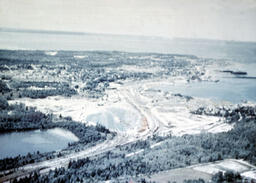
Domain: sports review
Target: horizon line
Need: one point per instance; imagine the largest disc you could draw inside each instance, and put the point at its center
(63, 32)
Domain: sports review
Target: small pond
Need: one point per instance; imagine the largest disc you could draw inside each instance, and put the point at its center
(15, 143)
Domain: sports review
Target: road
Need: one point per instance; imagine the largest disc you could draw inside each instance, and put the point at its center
(204, 171)
(119, 139)
(149, 125)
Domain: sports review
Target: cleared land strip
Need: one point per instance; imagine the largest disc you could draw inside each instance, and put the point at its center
(205, 171)
(47, 165)
(149, 124)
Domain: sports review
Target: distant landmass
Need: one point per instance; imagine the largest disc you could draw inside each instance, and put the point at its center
(39, 31)
(4, 29)
(199, 40)
(29, 39)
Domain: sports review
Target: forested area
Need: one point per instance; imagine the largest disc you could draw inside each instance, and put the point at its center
(173, 152)
(18, 117)
(36, 75)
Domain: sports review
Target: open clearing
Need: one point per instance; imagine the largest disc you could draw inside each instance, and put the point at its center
(144, 98)
(205, 171)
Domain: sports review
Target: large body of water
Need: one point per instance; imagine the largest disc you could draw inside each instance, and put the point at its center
(232, 90)
(239, 51)
(15, 143)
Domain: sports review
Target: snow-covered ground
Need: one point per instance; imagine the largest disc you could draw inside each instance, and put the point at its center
(51, 53)
(136, 109)
(250, 174)
(206, 170)
(234, 165)
(144, 95)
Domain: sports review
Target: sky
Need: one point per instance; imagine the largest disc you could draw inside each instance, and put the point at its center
(210, 19)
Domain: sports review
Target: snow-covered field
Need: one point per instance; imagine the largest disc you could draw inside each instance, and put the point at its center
(137, 107)
(136, 95)
(206, 170)
(244, 168)
(129, 107)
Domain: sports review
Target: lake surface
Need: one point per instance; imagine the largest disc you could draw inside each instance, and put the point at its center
(15, 143)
